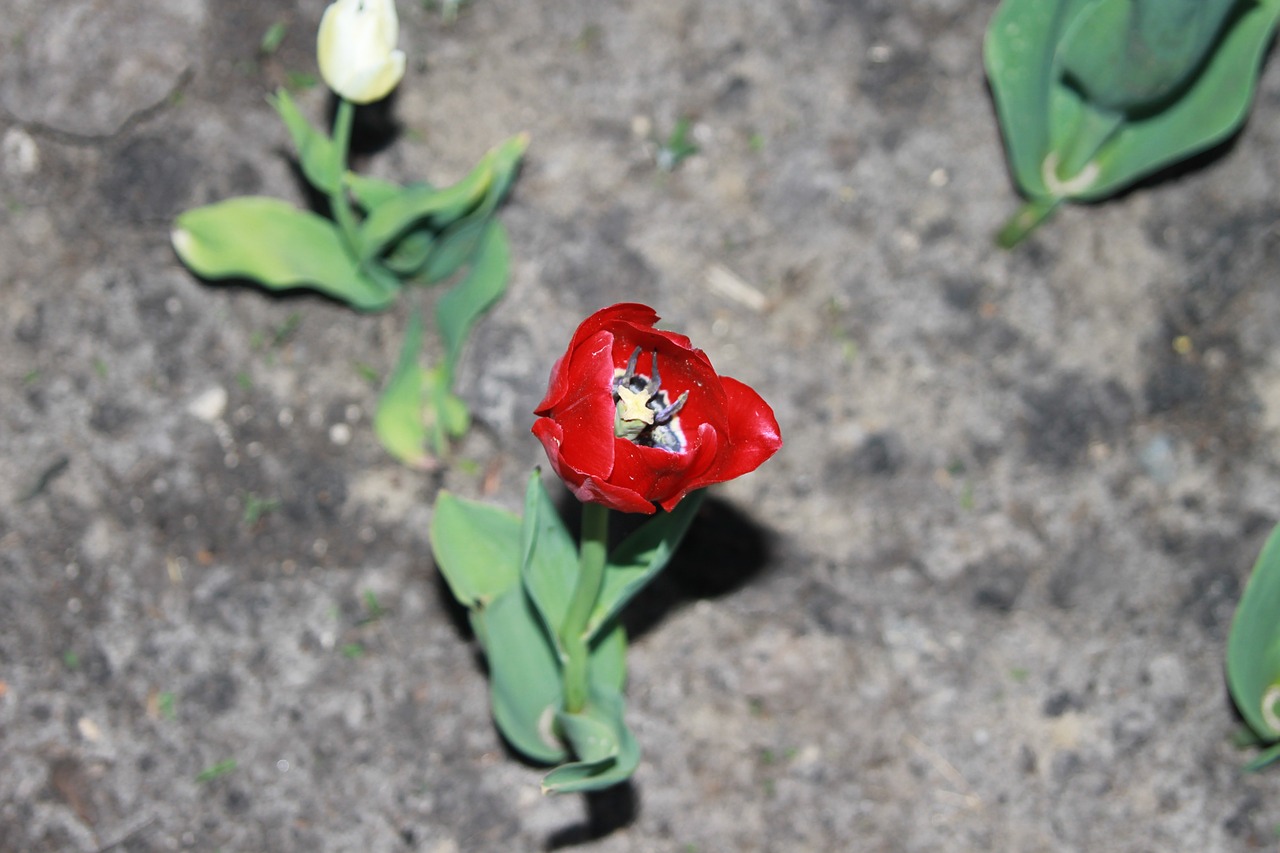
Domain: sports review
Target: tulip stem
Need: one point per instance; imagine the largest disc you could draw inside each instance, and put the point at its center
(592, 551)
(338, 201)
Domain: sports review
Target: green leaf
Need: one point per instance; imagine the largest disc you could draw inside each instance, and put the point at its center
(389, 221)
(272, 38)
(1253, 646)
(477, 548)
(446, 415)
(548, 558)
(607, 752)
(524, 675)
(410, 255)
(456, 246)
(275, 244)
(398, 421)
(1206, 113)
(466, 301)
(1267, 757)
(1018, 52)
(316, 152)
(1026, 220)
(477, 195)
(1065, 141)
(1133, 54)
(459, 240)
(369, 192)
(506, 161)
(639, 558)
(607, 661)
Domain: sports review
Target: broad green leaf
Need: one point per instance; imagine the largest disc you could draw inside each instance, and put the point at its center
(455, 246)
(446, 415)
(388, 221)
(1019, 55)
(484, 188)
(275, 244)
(506, 161)
(639, 558)
(467, 300)
(1210, 110)
(548, 558)
(1133, 54)
(606, 750)
(459, 240)
(477, 548)
(1253, 646)
(1034, 78)
(411, 254)
(398, 421)
(607, 661)
(524, 675)
(369, 192)
(316, 152)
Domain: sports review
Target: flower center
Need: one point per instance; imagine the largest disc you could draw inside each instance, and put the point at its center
(643, 413)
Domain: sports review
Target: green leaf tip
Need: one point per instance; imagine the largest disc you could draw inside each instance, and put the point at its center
(1253, 652)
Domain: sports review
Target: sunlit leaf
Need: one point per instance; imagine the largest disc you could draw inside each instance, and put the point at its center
(606, 750)
(391, 219)
(467, 300)
(1253, 648)
(316, 153)
(639, 558)
(273, 243)
(398, 420)
(524, 675)
(476, 547)
(549, 559)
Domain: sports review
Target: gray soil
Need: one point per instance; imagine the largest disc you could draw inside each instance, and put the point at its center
(978, 602)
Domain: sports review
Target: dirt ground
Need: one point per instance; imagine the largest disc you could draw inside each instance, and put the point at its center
(978, 602)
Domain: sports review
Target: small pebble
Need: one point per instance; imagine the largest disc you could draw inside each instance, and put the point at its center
(209, 405)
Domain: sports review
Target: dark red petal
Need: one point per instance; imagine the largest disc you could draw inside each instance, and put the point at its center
(585, 413)
(661, 475)
(614, 497)
(557, 386)
(753, 436)
(624, 313)
(552, 438)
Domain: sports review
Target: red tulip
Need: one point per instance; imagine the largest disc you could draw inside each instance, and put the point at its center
(635, 416)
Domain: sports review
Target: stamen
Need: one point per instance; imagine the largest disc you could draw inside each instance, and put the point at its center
(655, 381)
(665, 414)
(631, 367)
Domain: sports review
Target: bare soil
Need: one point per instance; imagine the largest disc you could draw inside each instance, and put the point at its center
(978, 602)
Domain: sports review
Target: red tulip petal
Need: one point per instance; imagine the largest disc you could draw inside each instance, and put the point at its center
(612, 496)
(586, 413)
(625, 312)
(664, 476)
(754, 434)
(728, 427)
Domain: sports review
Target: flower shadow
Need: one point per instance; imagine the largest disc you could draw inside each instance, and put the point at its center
(724, 550)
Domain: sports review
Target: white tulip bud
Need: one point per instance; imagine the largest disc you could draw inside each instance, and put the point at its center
(356, 49)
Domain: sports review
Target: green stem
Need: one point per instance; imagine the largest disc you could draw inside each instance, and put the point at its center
(1094, 130)
(339, 204)
(573, 634)
(1026, 220)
